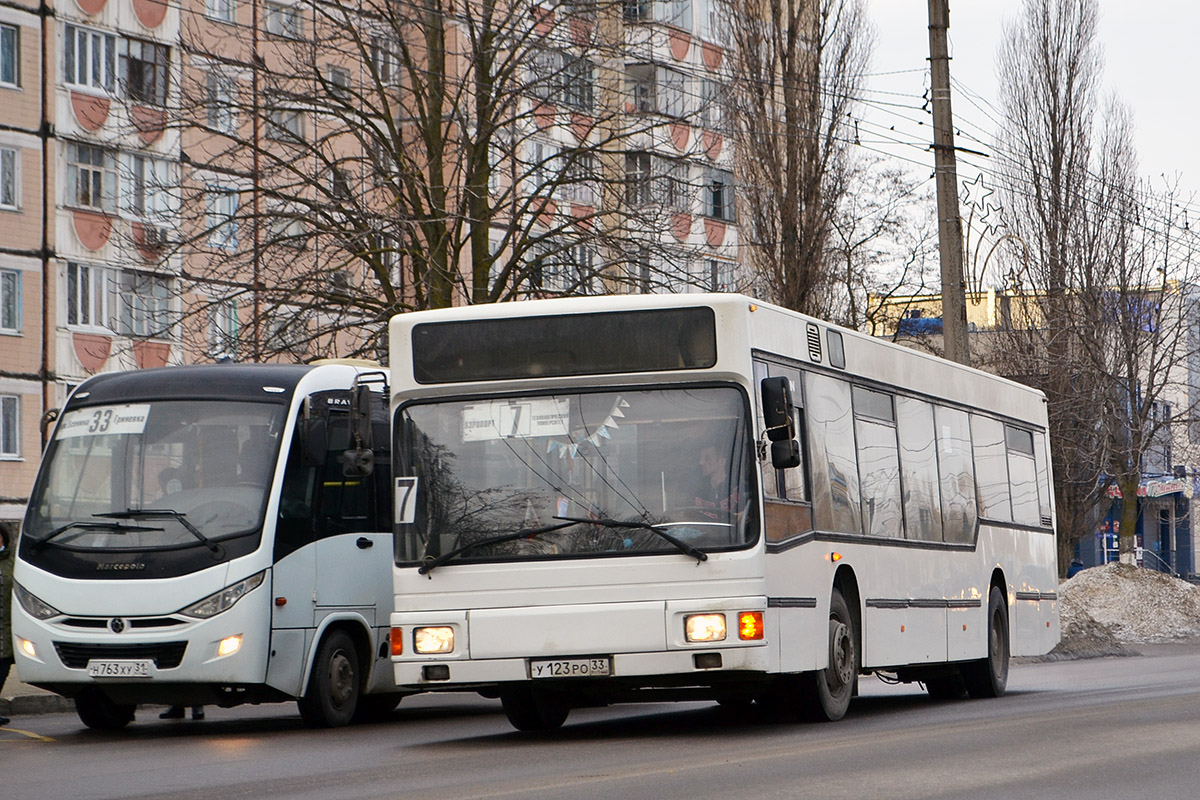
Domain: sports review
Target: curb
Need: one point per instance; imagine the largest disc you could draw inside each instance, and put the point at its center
(34, 704)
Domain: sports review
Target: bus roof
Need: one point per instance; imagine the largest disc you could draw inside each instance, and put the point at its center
(194, 382)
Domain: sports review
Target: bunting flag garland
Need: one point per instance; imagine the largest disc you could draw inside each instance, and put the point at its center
(563, 449)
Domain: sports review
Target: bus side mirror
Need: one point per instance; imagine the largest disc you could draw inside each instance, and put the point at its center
(359, 462)
(777, 409)
(785, 454)
(779, 422)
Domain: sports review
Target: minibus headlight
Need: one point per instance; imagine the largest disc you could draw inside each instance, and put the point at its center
(437, 639)
(223, 600)
(705, 627)
(33, 606)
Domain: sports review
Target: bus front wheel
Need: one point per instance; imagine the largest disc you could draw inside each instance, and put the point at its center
(98, 711)
(531, 710)
(334, 686)
(988, 677)
(828, 691)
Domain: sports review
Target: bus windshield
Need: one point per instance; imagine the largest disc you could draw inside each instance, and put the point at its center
(598, 468)
(112, 472)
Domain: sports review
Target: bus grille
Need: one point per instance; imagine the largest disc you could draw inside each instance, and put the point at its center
(165, 655)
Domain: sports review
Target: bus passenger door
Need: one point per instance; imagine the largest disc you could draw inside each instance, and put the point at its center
(354, 542)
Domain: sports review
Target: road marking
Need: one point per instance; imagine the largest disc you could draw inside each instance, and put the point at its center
(30, 734)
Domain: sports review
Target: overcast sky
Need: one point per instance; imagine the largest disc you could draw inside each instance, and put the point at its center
(1150, 49)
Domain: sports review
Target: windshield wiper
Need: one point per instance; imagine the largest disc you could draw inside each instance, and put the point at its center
(681, 545)
(167, 513)
(524, 533)
(84, 525)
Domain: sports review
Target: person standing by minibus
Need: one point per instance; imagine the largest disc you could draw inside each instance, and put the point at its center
(6, 571)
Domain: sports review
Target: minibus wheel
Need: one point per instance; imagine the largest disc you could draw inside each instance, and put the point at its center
(334, 685)
(530, 710)
(98, 711)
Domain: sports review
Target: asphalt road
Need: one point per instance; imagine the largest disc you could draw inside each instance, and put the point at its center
(1107, 728)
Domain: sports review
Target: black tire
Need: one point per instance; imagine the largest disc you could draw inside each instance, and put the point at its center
(530, 710)
(946, 687)
(988, 677)
(335, 684)
(828, 691)
(375, 707)
(98, 712)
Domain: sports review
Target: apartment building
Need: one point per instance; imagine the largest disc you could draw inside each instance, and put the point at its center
(88, 166)
(206, 194)
(22, 265)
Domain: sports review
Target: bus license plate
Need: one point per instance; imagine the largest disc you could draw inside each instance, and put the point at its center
(569, 668)
(119, 669)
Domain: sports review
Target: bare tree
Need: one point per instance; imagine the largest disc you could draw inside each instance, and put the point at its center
(354, 160)
(1103, 315)
(881, 238)
(799, 66)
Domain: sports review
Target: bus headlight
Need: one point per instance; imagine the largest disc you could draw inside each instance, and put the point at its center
(439, 639)
(33, 606)
(223, 600)
(704, 627)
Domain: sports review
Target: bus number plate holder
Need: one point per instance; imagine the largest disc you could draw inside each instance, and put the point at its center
(570, 668)
(119, 669)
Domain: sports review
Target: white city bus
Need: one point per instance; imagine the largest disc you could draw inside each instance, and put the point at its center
(212, 535)
(703, 496)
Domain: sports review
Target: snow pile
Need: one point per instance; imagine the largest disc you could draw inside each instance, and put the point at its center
(1105, 608)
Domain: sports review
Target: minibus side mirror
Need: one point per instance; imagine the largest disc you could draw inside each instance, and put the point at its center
(359, 462)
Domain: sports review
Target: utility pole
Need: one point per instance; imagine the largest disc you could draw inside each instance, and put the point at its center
(954, 301)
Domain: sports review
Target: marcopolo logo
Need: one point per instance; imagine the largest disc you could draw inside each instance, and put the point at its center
(129, 566)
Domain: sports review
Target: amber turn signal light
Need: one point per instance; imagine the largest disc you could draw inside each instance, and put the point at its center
(750, 625)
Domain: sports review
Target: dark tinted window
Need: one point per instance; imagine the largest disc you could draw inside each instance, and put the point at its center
(574, 344)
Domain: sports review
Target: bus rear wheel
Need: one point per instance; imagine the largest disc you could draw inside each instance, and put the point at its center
(334, 686)
(98, 711)
(988, 677)
(530, 710)
(828, 691)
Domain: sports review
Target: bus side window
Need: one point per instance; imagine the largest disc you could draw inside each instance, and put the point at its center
(344, 505)
(295, 527)
(835, 488)
(786, 491)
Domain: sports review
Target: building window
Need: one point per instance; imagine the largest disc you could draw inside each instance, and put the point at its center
(89, 296)
(654, 89)
(91, 177)
(339, 83)
(144, 71)
(284, 124)
(284, 21)
(718, 195)
(10, 179)
(383, 60)
(339, 186)
(147, 192)
(637, 178)
(221, 205)
(220, 103)
(222, 10)
(676, 12)
(223, 329)
(579, 185)
(10, 56)
(637, 10)
(91, 58)
(578, 84)
(145, 305)
(10, 423)
(10, 301)
(673, 184)
(720, 276)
